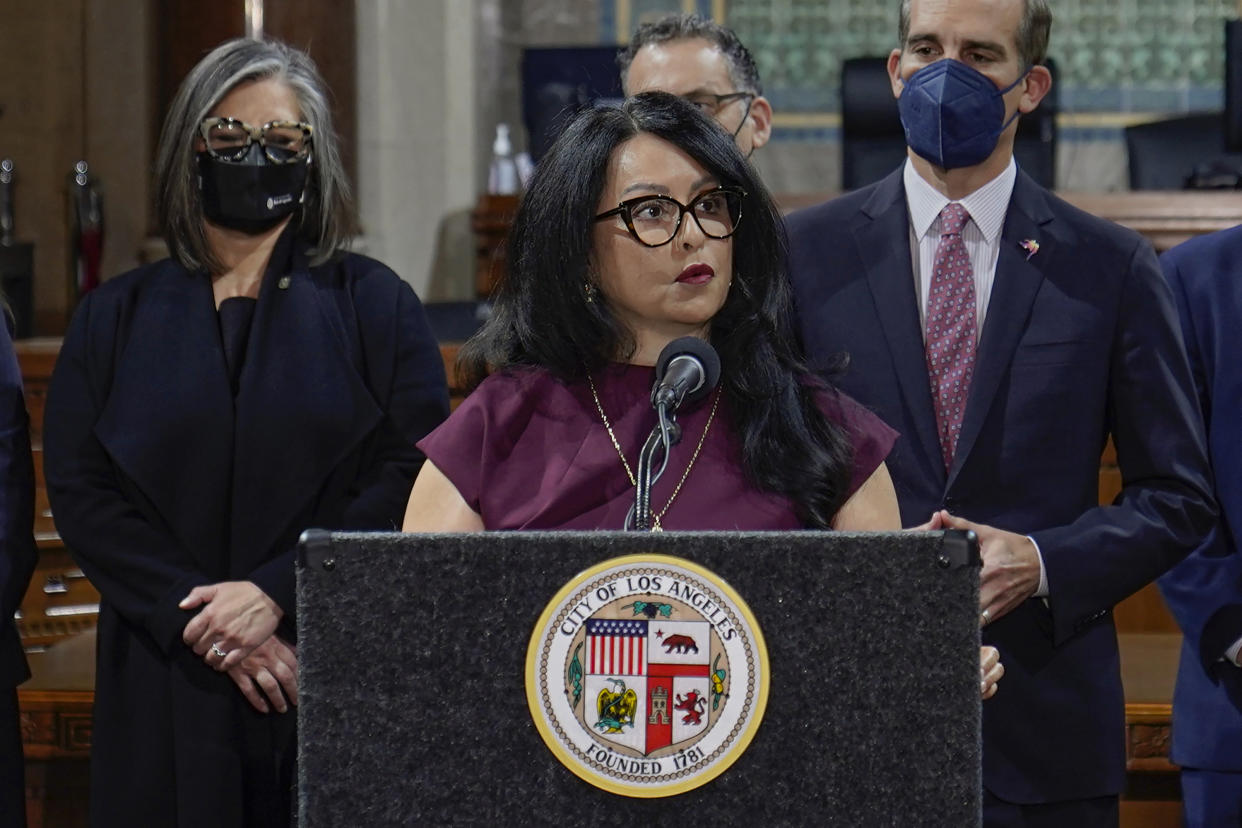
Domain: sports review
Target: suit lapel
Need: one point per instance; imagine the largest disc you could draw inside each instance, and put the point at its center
(302, 406)
(168, 419)
(891, 281)
(1018, 278)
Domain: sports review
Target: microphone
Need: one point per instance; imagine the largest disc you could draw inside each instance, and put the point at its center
(687, 370)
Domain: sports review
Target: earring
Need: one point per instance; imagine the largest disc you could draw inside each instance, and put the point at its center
(588, 288)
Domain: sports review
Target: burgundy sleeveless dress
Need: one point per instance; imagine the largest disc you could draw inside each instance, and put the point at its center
(527, 451)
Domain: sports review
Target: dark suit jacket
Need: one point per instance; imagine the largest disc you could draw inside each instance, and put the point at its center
(17, 561)
(1080, 342)
(17, 547)
(161, 480)
(1205, 591)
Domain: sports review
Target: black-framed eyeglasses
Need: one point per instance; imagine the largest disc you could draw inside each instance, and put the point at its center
(654, 220)
(283, 142)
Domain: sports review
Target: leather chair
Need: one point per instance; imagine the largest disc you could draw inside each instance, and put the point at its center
(1181, 153)
(873, 142)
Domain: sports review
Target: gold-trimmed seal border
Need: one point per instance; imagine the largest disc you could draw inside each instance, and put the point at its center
(566, 758)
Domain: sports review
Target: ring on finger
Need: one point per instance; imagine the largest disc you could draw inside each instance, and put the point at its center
(985, 616)
(215, 650)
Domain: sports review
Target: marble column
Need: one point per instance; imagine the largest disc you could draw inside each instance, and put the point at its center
(417, 134)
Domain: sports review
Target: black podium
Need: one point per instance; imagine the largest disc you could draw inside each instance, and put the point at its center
(413, 655)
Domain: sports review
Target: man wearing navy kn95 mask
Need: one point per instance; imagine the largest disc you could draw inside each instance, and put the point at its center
(1007, 336)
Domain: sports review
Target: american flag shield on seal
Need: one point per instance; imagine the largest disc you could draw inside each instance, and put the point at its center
(647, 683)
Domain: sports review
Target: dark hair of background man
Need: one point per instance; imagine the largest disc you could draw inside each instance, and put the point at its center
(742, 70)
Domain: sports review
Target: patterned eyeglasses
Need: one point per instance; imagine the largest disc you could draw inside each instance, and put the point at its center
(283, 141)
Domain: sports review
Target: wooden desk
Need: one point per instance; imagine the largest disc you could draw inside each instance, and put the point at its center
(1165, 218)
(448, 353)
(1152, 798)
(1148, 668)
(56, 731)
(491, 219)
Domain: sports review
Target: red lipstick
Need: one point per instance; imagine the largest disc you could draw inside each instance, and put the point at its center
(697, 274)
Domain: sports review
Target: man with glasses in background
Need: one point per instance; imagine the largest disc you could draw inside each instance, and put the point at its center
(705, 63)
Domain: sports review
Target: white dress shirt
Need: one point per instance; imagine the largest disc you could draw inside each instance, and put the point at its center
(981, 235)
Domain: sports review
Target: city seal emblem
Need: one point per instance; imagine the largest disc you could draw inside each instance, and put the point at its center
(647, 675)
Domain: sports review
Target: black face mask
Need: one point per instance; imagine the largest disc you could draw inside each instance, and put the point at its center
(251, 195)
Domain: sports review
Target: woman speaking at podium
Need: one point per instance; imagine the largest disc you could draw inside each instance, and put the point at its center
(203, 412)
(644, 224)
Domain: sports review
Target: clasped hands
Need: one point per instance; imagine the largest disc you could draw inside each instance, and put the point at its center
(234, 632)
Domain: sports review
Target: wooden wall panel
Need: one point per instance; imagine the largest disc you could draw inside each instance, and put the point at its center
(326, 30)
(43, 129)
(1145, 612)
(119, 148)
(73, 86)
(184, 31)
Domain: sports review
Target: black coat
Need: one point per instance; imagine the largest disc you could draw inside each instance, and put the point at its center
(162, 480)
(17, 561)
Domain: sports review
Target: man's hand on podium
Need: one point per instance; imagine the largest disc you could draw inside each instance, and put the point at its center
(270, 670)
(991, 542)
(1011, 567)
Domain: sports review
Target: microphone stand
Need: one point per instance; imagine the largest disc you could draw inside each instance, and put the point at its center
(665, 435)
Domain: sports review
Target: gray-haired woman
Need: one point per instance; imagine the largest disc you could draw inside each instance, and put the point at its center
(204, 411)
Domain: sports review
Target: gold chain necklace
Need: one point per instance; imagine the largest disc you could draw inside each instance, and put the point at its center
(655, 519)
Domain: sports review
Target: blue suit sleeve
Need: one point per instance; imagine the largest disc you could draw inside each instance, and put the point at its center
(1204, 592)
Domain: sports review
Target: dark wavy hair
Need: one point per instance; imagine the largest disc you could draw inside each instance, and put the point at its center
(541, 316)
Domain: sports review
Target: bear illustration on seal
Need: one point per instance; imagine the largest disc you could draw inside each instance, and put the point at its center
(679, 643)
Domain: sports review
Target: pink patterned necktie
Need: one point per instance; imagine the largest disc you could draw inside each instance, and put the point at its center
(950, 343)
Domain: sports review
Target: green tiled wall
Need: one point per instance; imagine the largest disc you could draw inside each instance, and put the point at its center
(1118, 62)
(1113, 55)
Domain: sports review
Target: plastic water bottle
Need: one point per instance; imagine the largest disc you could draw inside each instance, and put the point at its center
(502, 178)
